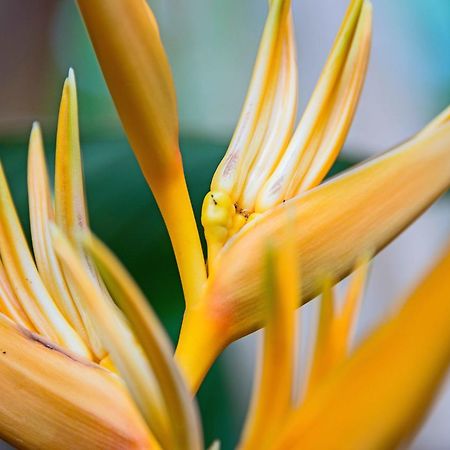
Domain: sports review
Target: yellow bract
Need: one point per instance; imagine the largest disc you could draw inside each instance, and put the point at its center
(76, 341)
(52, 399)
(138, 75)
(41, 215)
(359, 211)
(377, 396)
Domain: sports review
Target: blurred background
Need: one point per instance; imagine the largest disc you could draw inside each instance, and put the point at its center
(211, 45)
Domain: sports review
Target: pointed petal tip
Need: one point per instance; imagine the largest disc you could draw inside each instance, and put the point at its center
(35, 141)
(35, 127)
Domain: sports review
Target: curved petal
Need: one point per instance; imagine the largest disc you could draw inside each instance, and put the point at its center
(360, 211)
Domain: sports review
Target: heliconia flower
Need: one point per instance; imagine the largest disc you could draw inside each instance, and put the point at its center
(84, 361)
(68, 401)
(356, 213)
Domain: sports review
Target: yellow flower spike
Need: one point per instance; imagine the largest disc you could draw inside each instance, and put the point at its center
(334, 329)
(26, 282)
(125, 352)
(272, 396)
(41, 213)
(185, 423)
(227, 173)
(138, 75)
(9, 305)
(70, 201)
(361, 210)
(52, 399)
(327, 117)
(378, 408)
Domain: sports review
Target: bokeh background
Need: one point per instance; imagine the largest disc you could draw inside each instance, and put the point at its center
(211, 45)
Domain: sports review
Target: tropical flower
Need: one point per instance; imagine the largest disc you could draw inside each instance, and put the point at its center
(85, 362)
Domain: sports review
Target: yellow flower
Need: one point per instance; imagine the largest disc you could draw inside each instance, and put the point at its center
(85, 362)
(269, 171)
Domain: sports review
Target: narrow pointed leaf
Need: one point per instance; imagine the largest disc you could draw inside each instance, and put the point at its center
(338, 87)
(227, 173)
(335, 327)
(341, 109)
(280, 126)
(70, 198)
(346, 319)
(324, 356)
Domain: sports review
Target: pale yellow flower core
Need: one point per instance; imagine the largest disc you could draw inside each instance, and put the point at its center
(267, 162)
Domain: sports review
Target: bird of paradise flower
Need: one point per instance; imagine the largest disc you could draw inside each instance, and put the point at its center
(85, 362)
